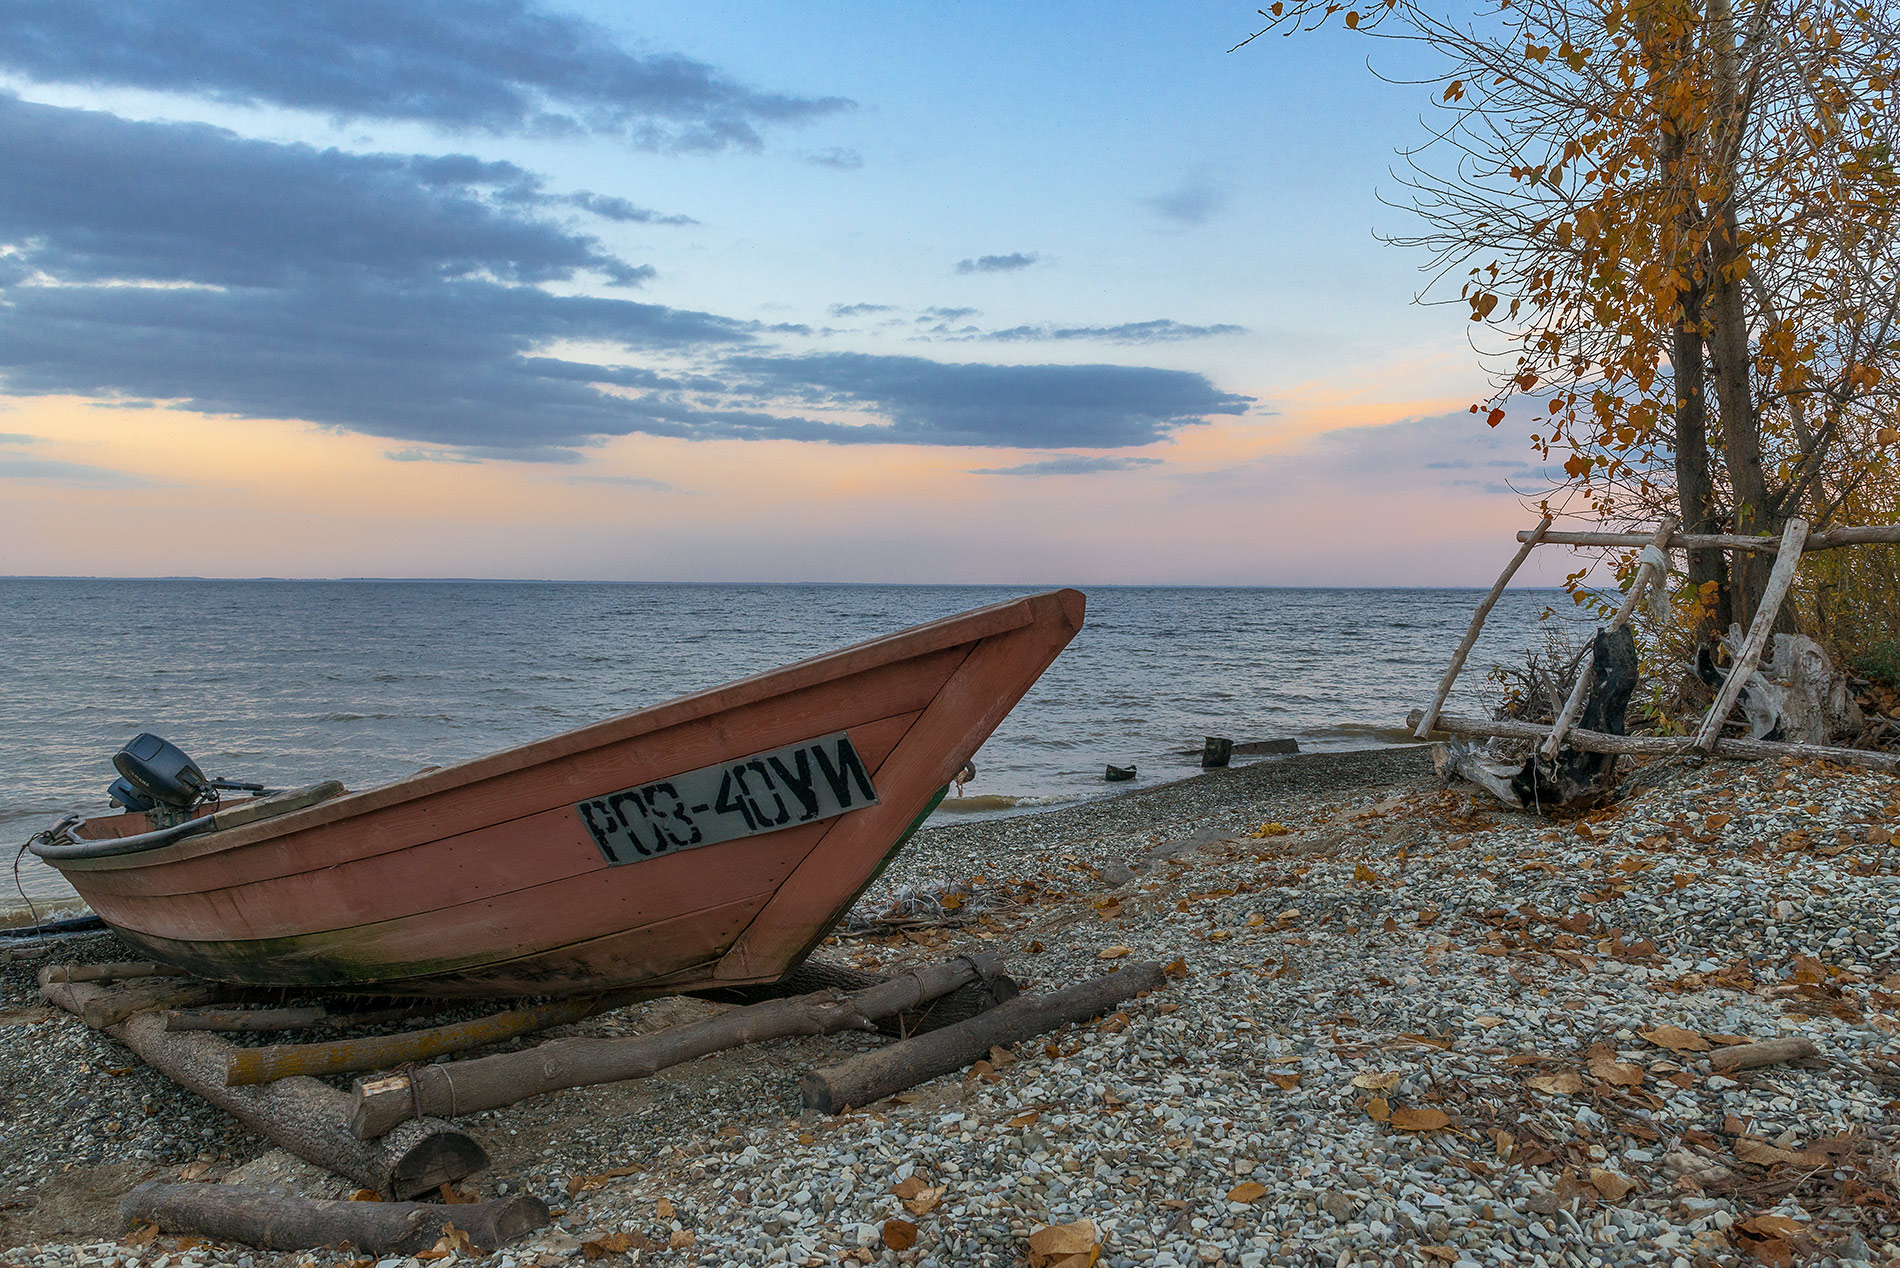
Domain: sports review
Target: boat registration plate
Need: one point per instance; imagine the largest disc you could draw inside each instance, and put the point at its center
(801, 783)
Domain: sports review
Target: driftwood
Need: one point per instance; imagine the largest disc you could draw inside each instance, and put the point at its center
(1470, 640)
(1828, 539)
(314, 1017)
(1654, 568)
(1576, 776)
(1216, 750)
(377, 1052)
(992, 987)
(1457, 760)
(1666, 746)
(118, 972)
(464, 1087)
(1749, 1056)
(307, 1117)
(271, 1220)
(107, 1005)
(872, 1076)
(1779, 579)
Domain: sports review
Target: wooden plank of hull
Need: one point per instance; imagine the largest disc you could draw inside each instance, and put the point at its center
(972, 703)
(485, 865)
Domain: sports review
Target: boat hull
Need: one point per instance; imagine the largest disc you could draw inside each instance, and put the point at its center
(486, 879)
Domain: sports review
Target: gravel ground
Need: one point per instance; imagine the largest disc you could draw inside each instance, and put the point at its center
(1403, 1026)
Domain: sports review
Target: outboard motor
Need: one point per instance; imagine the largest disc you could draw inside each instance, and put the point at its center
(123, 795)
(158, 773)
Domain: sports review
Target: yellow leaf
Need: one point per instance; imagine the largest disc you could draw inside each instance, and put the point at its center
(1111, 953)
(1360, 872)
(926, 1200)
(1378, 1109)
(1562, 1083)
(1676, 1039)
(1608, 1069)
(664, 1209)
(1380, 1081)
(1028, 1119)
(1271, 830)
(1612, 1186)
(1759, 1152)
(1767, 1225)
(681, 1239)
(899, 1234)
(1420, 1119)
(1285, 1082)
(1251, 1191)
(950, 902)
(1060, 1244)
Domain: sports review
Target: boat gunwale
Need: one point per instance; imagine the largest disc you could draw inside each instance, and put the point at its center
(972, 626)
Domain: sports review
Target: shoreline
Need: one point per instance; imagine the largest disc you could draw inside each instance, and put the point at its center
(1300, 1036)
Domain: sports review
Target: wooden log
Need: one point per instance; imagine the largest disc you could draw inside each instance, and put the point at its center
(464, 1087)
(109, 1005)
(1645, 571)
(872, 1076)
(1470, 640)
(379, 1052)
(117, 972)
(1828, 539)
(1667, 746)
(307, 1117)
(315, 1017)
(271, 1220)
(1456, 761)
(1749, 1056)
(1759, 630)
(992, 987)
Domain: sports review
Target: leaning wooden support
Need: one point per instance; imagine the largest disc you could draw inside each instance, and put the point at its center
(463, 1087)
(828, 975)
(1646, 571)
(379, 1052)
(1828, 539)
(271, 1220)
(1666, 746)
(1470, 640)
(1759, 630)
(307, 1117)
(874, 1075)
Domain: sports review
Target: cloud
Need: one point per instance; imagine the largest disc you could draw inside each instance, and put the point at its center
(1073, 464)
(947, 314)
(1132, 332)
(72, 474)
(837, 158)
(17, 438)
(998, 263)
(1194, 201)
(1018, 406)
(495, 66)
(625, 482)
(609, 208)
(89, 197)
(859, 310)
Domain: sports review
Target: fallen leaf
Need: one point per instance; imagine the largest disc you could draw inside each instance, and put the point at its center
(950, 902)
(1176, 967)
(1112, 953)
(1487, 1022)
(1769, 1225)
(681, 1239)
(1752, 1149)
(1676, 1039)
(1378, 1081)
(366, 1195)
(1025, 1120)
(1427, 918)
(1443, 1254)
(616, 1244)
(909, 1187)
(1285, 1082)
(1421, 1118)
(580, 1184)
(1252, 1191)
(1360, 872)
(1503, 1142)
(452, 1196)
(145, 1236)
(1271, 830)
(1064, 1245)
(899, 1234)
(1605, 1067)
(1774, 1252)
(1378, 1109)
(1612, 1186)
(926, 1200)
(664, 1209)
(1562, 1083)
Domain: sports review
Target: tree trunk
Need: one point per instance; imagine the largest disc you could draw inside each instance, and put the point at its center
(872, 1076)
(814, 974)
(271, 1220)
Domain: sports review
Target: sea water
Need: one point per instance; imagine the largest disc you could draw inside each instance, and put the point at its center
(288, 682)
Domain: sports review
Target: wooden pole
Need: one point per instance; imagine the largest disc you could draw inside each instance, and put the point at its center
(307, 1117)
(464, 1087)
(379, 1052)
(1573, 707)
(872, 1076)
(272, 1220)
(1827, 539)
(1786, 561)
(1490, 600)
(1667, 746)
(315, 1017)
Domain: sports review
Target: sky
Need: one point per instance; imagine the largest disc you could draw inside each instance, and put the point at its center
(1052, 293)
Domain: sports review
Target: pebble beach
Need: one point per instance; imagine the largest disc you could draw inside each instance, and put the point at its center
(1401, 1026)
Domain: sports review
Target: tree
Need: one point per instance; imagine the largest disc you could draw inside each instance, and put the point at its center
(1679, 216)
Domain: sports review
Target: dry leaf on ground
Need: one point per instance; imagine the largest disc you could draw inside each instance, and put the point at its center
(1111, 953)
(1605, 1066)
(1251, 1191)
(1611, 1185)
(899, 1234)
(1064, 1245)
(681, 1239)
(1378, 1081)
(1420, 1119)
(581, 1184)
(1378, 1109)
(1676, 1039)
(1562, 1083)
(1754, 1150)
(664, 1209)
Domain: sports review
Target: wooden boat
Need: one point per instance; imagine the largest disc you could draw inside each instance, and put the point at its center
(710, 841)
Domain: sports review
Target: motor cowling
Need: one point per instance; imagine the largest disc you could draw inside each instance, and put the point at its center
(159, 772)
